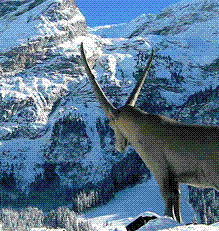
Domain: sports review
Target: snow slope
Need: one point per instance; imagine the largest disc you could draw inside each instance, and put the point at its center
(131, 203)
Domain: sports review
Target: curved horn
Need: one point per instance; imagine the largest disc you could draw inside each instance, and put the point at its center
(135, 92)
(107, 107)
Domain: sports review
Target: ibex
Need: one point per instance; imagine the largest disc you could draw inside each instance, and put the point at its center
(176, 153)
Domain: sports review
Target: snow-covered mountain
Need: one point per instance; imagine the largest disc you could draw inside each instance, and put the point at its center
(54, 138)
(53, 134)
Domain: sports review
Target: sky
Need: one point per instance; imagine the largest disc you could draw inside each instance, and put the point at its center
(105, 12)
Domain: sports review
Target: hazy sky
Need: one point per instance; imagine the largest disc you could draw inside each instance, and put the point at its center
(104, 12)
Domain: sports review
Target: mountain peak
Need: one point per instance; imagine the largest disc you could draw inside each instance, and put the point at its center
(25, 20)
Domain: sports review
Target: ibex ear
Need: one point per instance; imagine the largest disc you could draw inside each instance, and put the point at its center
(121, 143)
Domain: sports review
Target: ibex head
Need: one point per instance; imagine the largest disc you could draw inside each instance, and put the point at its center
(121, 142)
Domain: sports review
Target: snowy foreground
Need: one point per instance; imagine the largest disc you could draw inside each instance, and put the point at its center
(162, 223)
(131, 203)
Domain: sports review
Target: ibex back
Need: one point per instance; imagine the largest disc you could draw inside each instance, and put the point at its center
(175, 153)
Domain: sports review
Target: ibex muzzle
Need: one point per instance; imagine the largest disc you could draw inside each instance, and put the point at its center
(175, 153)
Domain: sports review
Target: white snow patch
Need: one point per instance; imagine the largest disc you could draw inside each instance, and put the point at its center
(129, 204)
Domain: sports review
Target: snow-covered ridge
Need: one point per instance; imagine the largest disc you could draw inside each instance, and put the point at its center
(173, 20)
(30, 19)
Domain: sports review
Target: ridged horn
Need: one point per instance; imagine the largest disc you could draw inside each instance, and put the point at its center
(107, 107)
(135, 92)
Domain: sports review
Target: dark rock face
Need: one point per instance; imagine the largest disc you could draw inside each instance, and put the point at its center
(10, 6)
(69, 140)
(205, 204)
